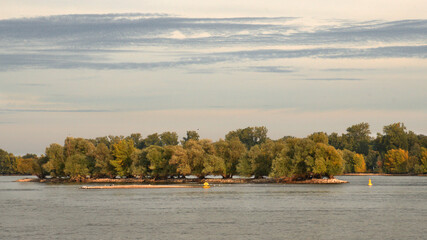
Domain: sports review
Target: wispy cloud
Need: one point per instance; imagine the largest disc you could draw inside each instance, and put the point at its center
(71, 61)
(378, 52)
(164, 41)
(334, 79)
(271, 69)
(122, 29)
(348, 69)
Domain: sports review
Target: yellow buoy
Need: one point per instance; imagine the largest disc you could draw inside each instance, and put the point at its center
(370, 183)
(206, 185)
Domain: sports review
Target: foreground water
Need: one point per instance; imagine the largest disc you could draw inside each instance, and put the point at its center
(394, 208)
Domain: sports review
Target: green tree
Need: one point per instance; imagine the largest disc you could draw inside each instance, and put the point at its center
(249, 136)
(195, 156)
(244, 167)
(371, 160)
(190, 135)
(231, 151)
(270, 150)
(283, 165)
(153, 139)
(169, 138)
(140, 164)
(395, 160)
(137, 140)
(326, 161)
(338, 142)
(294, 159)
(301, 152)
(123, 153)
(197, 153)
(422, 140)
(7, 163)
(39, 171)
(348, 157)
(159, 158)
(214, 165)
(394, 137)
(358, 138)
(56, 160)
(99, 140)
(180, 160)
(73, 146)
(319, 137)
(103, 158)
(261, 158)
(76, 166)
(302, 158)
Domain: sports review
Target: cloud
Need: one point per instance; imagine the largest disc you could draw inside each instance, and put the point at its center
(71, 61)
(114, 30)
(379, 52)
(334, 79)
(157, 41)
(123, 29)
(348, 69)
(270, 69)
(395, 31)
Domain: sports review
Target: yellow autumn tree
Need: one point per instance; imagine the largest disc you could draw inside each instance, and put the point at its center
(25, 165)
(422, 166)
(395, 160)
(359, 163)
(123, 153)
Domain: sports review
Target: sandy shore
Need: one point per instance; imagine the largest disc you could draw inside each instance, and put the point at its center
(28, 180)
(138, 186)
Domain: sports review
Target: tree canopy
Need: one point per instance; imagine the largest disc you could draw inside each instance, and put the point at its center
(244, 152)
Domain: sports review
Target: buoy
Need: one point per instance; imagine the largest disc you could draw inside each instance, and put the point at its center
(206, 185)
(370, 183)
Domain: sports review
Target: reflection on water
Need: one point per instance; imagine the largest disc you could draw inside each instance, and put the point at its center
(393, 208)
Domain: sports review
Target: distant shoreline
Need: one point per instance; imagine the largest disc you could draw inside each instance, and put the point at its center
(181, 181)
(209, 180)
(381, 174)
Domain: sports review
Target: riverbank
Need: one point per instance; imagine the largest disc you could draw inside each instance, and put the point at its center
(138, 186)
(382, 174)
(186, 180)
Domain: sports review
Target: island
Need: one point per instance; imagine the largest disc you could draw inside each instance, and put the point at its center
(244, 156)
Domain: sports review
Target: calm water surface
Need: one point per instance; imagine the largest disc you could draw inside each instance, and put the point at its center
(394, 208)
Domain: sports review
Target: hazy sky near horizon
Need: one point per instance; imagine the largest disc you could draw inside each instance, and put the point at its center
(93, 68)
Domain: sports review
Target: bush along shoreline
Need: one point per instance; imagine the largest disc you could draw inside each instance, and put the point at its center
(186, 180)
(243, 152)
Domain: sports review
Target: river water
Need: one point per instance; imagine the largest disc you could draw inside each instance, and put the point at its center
(395, 207)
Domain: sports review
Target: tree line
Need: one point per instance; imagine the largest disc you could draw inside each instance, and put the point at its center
(244, 152)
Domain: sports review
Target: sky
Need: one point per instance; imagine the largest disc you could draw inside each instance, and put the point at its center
(95, 68)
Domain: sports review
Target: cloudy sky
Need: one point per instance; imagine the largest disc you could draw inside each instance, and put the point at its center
(93, 68)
